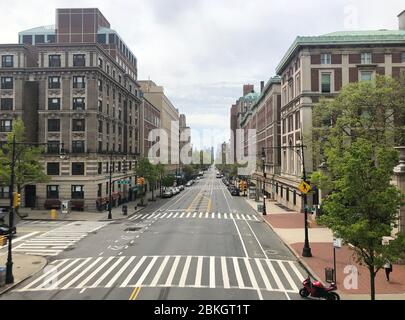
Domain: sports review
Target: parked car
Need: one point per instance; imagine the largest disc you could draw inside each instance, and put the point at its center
(235, 192)
(189, 183)
(167, 193)
(181, 187)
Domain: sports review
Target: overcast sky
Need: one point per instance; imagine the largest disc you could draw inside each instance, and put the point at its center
(203, 51)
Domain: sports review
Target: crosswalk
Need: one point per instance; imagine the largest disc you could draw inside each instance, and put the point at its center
(195, 215)
(169, 271)
(39, 223)
(53, 242)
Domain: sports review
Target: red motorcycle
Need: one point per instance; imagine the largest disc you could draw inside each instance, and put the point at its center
(316, 289)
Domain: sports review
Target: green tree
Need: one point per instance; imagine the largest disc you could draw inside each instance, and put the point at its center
(168, 180)
(355, 135)
(161, 169)
(150, 173)
(28, 169)
(188, 171)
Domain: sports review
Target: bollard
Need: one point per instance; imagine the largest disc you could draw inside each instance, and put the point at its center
(54, 214)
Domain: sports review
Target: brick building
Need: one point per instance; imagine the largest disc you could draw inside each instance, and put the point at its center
(75, 84)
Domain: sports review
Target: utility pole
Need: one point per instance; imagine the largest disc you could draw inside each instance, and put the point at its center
(110, 190)
(306, 252)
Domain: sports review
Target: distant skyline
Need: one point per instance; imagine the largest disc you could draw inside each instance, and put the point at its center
(203, 51)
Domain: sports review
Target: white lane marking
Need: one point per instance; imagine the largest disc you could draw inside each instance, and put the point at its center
(252, 278)
(66, 276)
(183, 278)
(159, 272)
(176, 215)
(107, 272)
(225, 216)
(181, 216)
(51, 271)
(240, 237)
(256, 218)
(198, 274)
(172, 271)
(206, 215)
(297, 272)
(260, 245)
(169, 215)
(194, 214)
(243, 216)
(288, 276)
(249, 218)
(118, 274)
(188, 215)
(200, 215)
(219, 215)
(132, 273)
(231, 215)
(157, 216)
(275, 276)
(237, 273)
(263, 274)
(225, 276)
(213, 215)
(146, 272)
(163, 216)
(19, 239)
(212, 272)
(91, 276)
(81, 274)
(237, 216)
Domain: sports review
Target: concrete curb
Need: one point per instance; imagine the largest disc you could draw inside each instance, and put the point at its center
(23, 279)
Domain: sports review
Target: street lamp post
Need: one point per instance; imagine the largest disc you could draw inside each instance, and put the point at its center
(306, 251)
(264, 181)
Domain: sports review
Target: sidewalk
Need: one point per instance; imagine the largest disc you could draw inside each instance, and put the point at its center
(28, 214)
(289, 226)
(24, 266)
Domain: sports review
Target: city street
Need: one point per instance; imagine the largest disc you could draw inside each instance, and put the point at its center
(200, 244)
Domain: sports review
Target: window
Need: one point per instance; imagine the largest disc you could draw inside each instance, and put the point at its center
(100, 63)
(7, 83)
(53, 103)
(366, 75)
(119, 79)
(78, 146)
(79, 60)
(326, 58)
(52, 192)
(119, 114)
(366, 58)
(119, 131)
(100, 168)
(78, 168)
(78, 125)
(100, 85)
(77, 192)
(108, 108)
(326, 82)
(7, 61)
(102, 38)
(100, 146)
(51, 38)
(79, 82)
(52, 168)
(100, 126)
(54, 82)
(6, 103)
(108, 69)
(99, 190)
(27, 39)
(119, 97)
(295, 197)
(39, 38)
(54, 60)
(107, 90)
(53, 125)
(403, 57)
(53, 147)
(100, 106)
(4, 192)
(79, 104)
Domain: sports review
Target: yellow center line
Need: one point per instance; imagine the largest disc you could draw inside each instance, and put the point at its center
(135, 293)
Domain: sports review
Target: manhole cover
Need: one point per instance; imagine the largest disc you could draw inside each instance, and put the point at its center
(133, 229)
(271, 252)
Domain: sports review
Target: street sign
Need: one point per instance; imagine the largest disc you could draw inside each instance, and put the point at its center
(337, 243)
(124, 182)
(304, 187)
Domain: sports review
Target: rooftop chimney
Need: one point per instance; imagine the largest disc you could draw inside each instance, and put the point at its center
(401, 18)
(261, 86)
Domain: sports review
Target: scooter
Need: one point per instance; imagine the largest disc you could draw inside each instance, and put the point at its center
(316, 289)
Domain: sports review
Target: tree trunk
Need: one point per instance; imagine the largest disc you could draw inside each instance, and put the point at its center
(372, 282)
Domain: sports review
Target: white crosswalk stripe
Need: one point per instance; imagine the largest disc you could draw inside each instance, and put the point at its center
(53, 242)
(160, 271)
(201, 215)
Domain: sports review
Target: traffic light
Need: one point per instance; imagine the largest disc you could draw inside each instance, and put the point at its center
(16, 200)
(141, 181)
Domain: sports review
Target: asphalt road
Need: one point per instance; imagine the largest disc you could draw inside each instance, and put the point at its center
(202, 244)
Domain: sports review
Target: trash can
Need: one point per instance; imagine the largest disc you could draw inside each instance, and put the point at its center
(125, 210)
(2, 276)
(260, 207)
(329, 275)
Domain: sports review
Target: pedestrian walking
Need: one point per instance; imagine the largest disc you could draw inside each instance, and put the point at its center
(388, 269)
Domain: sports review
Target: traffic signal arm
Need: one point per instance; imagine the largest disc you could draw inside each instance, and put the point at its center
(16, 200)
